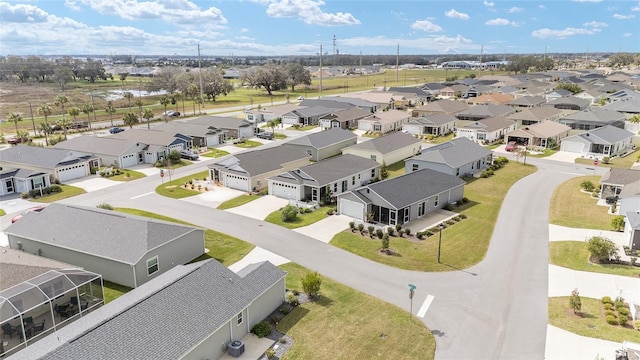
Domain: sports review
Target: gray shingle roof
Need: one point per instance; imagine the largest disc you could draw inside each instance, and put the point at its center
(145, 136)
(617, 176)
(445, 106)
(489, 110)
(528, 101)
(490, 124)
(42, 157)
(18, 266)
(604, 135)
(106, 145)
(328, 171)
(410, 188)
(222, 122)
(112, 235)
(257, 162)
(323, 139)
(436, 119)
(600, 115)
(535, 114)
(388, 143)
(169, 319)
(454, 153)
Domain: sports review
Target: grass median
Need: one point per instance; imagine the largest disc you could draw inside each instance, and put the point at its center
(573, 208)
(575, 255)
(300, 220)
(174, 188)
(237, 201)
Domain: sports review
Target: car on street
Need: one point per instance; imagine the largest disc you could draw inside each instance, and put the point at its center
(300, 98)
(265, 136)
(115, 130)
(189, 155)
(33, 209)
(171, 113)
(511, 146)
(17, 140)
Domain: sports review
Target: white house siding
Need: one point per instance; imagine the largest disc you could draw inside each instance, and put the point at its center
(351, 208)
(213, 347)
(285, 190)
(234, 181)
(245, 132)
(74, 171)
(333, 150)
(290, 119)
(574, 146)
(129, 160)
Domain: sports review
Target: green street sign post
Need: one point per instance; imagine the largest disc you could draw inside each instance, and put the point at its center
(412, 289)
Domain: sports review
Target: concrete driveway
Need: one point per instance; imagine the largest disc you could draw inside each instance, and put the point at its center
(325, 229)
(259, 209)
(257, 255)
(93, 183)
(214, 197)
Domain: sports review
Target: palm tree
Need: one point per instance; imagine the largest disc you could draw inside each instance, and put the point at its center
(15, 117)
(64, 123)
(88, 109)
(128, 95)
(74, 111)
(45, 110)
(130, 119)
(192, 91)
(110, 110)
(61, 101)
(139, 105)
(147, 114)
(164, 101)
(272, 124)
(46, 129)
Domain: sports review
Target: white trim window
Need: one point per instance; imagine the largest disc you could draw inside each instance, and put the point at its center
(240, 318)
(421, 209)
(436, 201)
(152, 266)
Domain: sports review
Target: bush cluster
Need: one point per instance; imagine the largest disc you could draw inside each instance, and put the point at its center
(261, 329)
(292, 299)
(35, 193)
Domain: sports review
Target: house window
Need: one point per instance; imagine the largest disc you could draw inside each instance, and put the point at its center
(421, 209)
(415, 167)
(353, 180)
(240, 318)
(309, 152)
(436, 201)
(152, 266)
(373, 157)
(335, 187)
(458, 172)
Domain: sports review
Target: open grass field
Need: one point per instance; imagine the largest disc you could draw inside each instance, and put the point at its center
(67, 192)
(346, 324)
(574, 208)
(591, 323)
(463, 244)
(575, 255)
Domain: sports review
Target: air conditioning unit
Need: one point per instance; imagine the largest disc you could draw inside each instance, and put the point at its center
(236, 348)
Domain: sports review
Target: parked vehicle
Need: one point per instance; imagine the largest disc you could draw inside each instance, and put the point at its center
(265, 136)
(33, 209)
(189, 155)
(511, 146)
(171, 113)
(115, 130)
(300, 98)
(17, 140)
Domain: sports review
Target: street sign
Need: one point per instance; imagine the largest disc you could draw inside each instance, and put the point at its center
(161, 173)
(595, 162)
(412, 287)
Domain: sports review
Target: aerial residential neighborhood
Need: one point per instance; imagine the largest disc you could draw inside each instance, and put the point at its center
(294, 201)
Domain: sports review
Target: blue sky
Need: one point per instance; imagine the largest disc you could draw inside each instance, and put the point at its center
(292, 27)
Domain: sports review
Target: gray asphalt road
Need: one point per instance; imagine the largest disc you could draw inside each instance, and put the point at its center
(495, 310)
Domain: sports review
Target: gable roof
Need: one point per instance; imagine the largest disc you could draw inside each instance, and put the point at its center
(492, 98)
(527, 101)
(538, 113)
(604, 135)
(569, 100)
(616, 176)
(222, 122)
(600, 115)
(276, 110)
(444, 106)
(454, 153)
(436, 119)
(42, 157)
(626, 105)
(388, 117)
(347, 115)
(327, 171)
(324, 138)
(544, 130)
(410, 188)
(18, 266)
(490, 124)
(113, 235)
(489, 110)
(257, 162)
(104, 145)
(146, 136)
(166, 317)
(387, 143)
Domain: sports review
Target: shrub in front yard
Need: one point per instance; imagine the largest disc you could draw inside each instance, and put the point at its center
(385, 241)
(407, 231)
(361, 228)
(289, 213)
(293, 299)
(623, 319)
(261, 329)
(607, 300)
(608, 306)
(371, 230)
(379, 233)
(587, 186)
(311, 283)
(391, 231)
(352, 225)
(611, 320)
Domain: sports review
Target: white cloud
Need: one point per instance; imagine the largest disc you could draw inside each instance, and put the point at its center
(542, 7)
(595, 24)
(426, 25)
(623, 17)
(562, 34)
(244, 30)
(636, 8)
(627, 34)
(438, 44)
(22, 13)
(71, 5)
(456, 15)
(590, 1)
(500, 22)
(309, 11)
(515, 10)
(245, 38)
(488, 3)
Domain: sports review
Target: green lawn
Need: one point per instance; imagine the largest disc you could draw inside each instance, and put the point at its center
(441, 139)
(396, 169)
(367, 328)
(2, 212)
(113, 291)
(179, 164)
(174, 189)
(303, 128)
(575, 255)
(214, 153)
(463, 244)
(591, 324)
(128, 175)
(545, 153)
(280, 136)
(224, 248)
(301, 220)
(617, 162)
(237, 201)
(573, 208)
(247, 144)
(67, 192)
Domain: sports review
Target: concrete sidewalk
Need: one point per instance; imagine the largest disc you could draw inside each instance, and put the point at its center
(592, 285)
(257, 255)
(325, 229)
(260, 208)
(564, 345)
(563, 233)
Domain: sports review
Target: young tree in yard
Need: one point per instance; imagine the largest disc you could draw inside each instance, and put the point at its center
(617, 223)
(74, 112)
(165, 101)
(385, 241)
(272, 124)
(575, 302)
(64, 123)
(46, 130)
(174, 156)
(130, 119)
(289, 213)
(311, 283)
(61, 101)
(601, 248)
(110, 109)
(147, 114)
(384, 172)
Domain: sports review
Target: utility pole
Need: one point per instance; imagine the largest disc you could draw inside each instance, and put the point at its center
(200, 73)
(334, 51)
(33, 121)
(320, 70)
(397, 61)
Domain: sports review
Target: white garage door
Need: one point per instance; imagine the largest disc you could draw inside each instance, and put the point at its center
(284, 191)
(352, 209)
(572, 146)
(236, 182)
(129, 160)
(72, 172)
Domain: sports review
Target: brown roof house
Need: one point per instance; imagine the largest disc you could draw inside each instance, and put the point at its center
(384, 121)
(546, 134)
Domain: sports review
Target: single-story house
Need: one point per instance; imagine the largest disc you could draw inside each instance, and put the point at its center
(421, 95)
(384, 121)
(387, 149)
(632, 229)
(458, 157)
(535, 115)
(402, 199)
(381, 99)
(63, 165)
(111, 151)
(343, 119)
(306, 115)
(621, 183)
(593, 118)
(323, 144)
(527, 102)
(487, 130)
(449, 107)
(433, 124)
(341, 102)
(323, 179)
(194, 311)
(568, 103)
(599, 142)
(202, 135)
(494, 98)
(125, 249)
(249, 171)
(543, 134)
(558, 94)
(17, 181)
(234, 128)
(269, 113)
(158, 144)
(479, 112)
